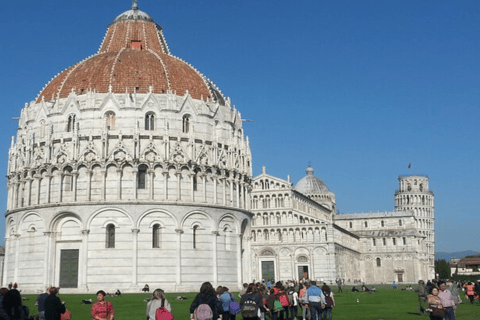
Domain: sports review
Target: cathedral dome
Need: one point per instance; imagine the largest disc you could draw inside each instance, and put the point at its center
(310, 184)
(133, 58)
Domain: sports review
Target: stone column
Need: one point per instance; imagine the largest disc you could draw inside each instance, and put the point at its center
(135, 177)
(84, 260)
(204, 181)
(74, 182)
(135, 257)
(312, 264)
(179, 189)
(231, 191)
(292, 260)
(192, 187)
(60, 186)
(119, 183)
(165, 184)
(38, 178)
(104, 183)
(5, 262)
(179, 256)
(46, 258)
(29, 190)
(47, 193)
(238, 194)
(89, 184)
(215, 259)
(152, 184)
(215, 181)
(15, 195)
(239, 260)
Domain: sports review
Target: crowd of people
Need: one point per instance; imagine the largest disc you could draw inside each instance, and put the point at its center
(277, 300)
(256, 301)
(440, 298)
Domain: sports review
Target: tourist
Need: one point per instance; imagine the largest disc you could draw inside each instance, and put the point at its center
(316, 300)
(54, 308)
(447, 302)
(158, 300)
(302, 294)
(12, 304)
(101, 309)
(225, 298)
(327, 312)
(470, 288)
(262, 291)
(244, 289)
(435, 305)
(206, 296)
(41, 304)
(293, 300)
(270, 304)
(422, 296)
(250, 303)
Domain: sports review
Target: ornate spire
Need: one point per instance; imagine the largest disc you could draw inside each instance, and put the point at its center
(134, 5)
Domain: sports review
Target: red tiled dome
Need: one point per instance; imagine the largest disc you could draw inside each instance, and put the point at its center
(133, 57)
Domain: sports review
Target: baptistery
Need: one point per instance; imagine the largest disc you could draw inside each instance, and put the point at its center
(129, 168)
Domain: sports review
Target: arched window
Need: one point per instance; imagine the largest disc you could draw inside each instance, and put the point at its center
(71, 123)
(351, 224)
(366, 224)
(384, 241)
(404, 241)
(379, 262)
(195, 228)
(394, 241)
(141, 176)
(374, 242)
(186, 124)
(156, 236)
(110, 234)
(150, 121)
(67, 179)
(400, 223)
(383, 223)
(110, 120)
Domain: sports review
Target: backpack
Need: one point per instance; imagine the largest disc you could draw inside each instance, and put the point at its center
(249, 308)
(234, 307)
(225, 298)
(203, 312)
(277, 306)
(290, 297)
(162, 313)
(283, 300)
(328, 301)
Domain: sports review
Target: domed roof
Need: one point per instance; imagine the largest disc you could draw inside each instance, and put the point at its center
(310, 184)
(133, 57)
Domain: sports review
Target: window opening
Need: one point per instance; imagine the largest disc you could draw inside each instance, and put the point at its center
(156, 236)
(110, 234)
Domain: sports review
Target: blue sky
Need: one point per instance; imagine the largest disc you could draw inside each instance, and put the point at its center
(359, 89)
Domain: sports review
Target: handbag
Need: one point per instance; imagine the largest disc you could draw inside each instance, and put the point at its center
(438, 312)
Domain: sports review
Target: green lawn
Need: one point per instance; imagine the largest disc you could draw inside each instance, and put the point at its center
(385, 304)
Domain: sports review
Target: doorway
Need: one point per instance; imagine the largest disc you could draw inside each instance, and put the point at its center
(400, 277)
(302, 272)
(268, 270)
(69, 268)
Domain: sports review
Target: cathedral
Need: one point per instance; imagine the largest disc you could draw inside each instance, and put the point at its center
(131, 167)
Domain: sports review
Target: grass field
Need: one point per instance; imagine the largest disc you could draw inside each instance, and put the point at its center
(385, 304)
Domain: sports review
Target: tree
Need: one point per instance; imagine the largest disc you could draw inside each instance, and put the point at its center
(442, 269)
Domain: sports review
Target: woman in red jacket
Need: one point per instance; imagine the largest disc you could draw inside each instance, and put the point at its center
(470, 291)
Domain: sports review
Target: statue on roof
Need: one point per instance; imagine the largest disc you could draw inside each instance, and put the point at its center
(134, 5)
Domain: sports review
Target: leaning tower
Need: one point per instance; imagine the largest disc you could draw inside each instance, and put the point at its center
(414, 196)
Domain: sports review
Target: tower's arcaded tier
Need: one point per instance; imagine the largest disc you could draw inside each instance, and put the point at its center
(414, 196)
(130, 167)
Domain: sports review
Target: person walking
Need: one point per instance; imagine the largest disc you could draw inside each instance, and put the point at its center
(327, 312)
(316, 300)
(206, 296)
(101, 309)
(54, 308)
(158, 300)
(470, 288)
(435, 306)
(250, 303)
(41, 304)
(447, 301)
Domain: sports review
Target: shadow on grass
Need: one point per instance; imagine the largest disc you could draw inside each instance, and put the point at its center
(414, 313)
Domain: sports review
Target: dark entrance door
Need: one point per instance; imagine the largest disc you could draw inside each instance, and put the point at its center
(302, 272)
(69, 268)
(268, 270)
(400, 277)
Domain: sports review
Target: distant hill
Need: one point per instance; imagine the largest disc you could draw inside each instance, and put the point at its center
(459, 254)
